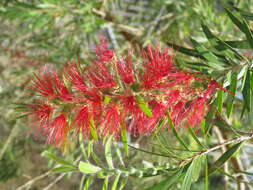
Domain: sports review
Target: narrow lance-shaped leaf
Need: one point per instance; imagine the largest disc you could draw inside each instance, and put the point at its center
(242, 25)
(224, 158)
(93, 130)
(124, 139)
(247, 90)
(123, 183)
(88, 168)
(187, 51)
(108, 153)
(232, 88)
(168, 182)
(64, 169)
(105, 185)
(220, 100)
(57, 159)
(144, 106)
(88, 182)
(212, 60)
(192, 173)
(171, 124)
(194, 136)
(115, 183)
(239, 44)
(218, 43)
(206, 174)
(245, 14)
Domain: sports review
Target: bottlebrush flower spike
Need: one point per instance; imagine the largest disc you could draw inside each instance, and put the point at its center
(104, 54)
(57, 130)
(158, 63)
(111, 123)
(43, 85)
(81, 122)
(75, 77)
(100, 76)
(41, 113)
(97, 95)
(125, 69)
(62, 91)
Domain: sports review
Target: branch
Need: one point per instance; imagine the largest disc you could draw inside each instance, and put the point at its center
(218, 146)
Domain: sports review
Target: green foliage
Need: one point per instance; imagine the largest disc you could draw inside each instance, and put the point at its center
(219, 46)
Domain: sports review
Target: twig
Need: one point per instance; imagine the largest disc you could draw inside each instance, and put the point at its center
(218, 146)
(223, 149)
(60, 176)
(28, 184)
(9, 140)
(54, 182)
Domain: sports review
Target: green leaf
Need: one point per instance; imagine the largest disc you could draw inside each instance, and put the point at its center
(116, 181)
(64, 169)
(192, 173)
(220, 100)
(159, 126)
(89, 181)
(248, 33)
(171, 124)
(217, 43)
(108, 152)
(124, 138)
(194, 136)
(224, 158)
(107, 100)
(245, 14)
(242, 25)
(240, 44)
(144, 106)
(105, 185)
(123, 183)
(209, 117)
(90, 148)
(119, 154)
(232, 87)
(57, 159)
(88, 168)
(206, 174)
(93, 130)
(212, 60)
(168, 182)
(187, 51)
(247, 90)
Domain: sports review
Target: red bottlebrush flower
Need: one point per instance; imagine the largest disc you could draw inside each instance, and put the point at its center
(180, 77)
(134, 116)
(125, 69)
(176, 114)
(216, 85)
(82, 122)
(57, 130)
(43, 85)
(74, 76)
(173, 97)
(41, 113)
(159, 111)
(103, 52)
(61, 89)
(100, 77)
(162, 87)
(198, 111)
(111, 122)
(158, 63)
(128, 103)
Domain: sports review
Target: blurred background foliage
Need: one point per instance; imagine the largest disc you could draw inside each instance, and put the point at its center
(53, 32)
